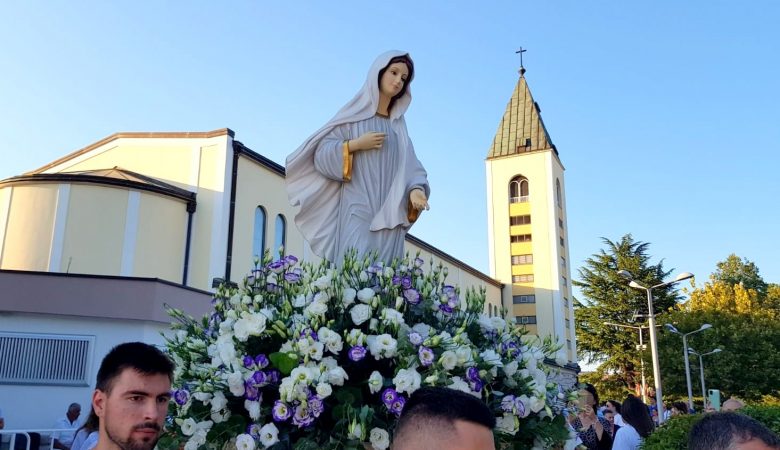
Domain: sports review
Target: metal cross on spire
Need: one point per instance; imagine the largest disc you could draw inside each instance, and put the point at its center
(520, 52)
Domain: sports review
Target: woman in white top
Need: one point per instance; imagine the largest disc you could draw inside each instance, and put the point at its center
(637, 425)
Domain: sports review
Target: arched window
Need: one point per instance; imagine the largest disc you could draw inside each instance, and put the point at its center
(258, 238)
(280, 232)
(518, 189)
(558, 193)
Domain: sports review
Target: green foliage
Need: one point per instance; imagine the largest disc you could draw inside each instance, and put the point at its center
(607, 298)
(741, 271)
(673, 435)
(609, 386)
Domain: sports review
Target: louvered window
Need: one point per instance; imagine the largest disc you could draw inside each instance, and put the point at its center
(45, 359)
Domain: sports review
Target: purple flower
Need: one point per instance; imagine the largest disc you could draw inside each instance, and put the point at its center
(273, 376)
(412, 296)
(426, 356)
(472, 374)
(398, 405)
(396, 280)
(290, 260)
(254, 430)
(302, 417)
(418, 262)
(276, 266)
(262, 361)
(445, 308)
(281, 411)
(251, 392)
(181, 396)
(511, 348)
(292, 277)
(449, 291)
(315, 405)
(357, 353)
(477, 386)
(415, 338)
(308, 332)
(406, 282)
(389, 395)
(260, 378)
(508, 404)
(520, 406)
(248, 361)
(271, 287)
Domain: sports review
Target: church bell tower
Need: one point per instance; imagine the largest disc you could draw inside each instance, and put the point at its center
(527, 226)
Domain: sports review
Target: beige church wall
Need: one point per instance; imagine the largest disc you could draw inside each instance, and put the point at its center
(29, 226)
(458, 276)
(257, 185)
(160, 238)
(5, 209)
(558, 173)
(94, 230)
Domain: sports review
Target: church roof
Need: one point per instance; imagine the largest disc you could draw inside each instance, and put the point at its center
(521, 129)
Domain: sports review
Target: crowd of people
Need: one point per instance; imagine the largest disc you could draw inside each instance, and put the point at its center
(130, 403)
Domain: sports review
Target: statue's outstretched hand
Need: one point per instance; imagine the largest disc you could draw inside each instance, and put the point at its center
(368, 141)
(419, 200)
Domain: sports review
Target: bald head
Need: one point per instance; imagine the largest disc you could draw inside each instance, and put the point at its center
(732, 404)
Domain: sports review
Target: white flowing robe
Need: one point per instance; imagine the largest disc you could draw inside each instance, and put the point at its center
(361, 198)
(334, 212)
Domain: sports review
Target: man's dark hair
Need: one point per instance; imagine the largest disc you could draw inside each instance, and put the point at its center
(143, 358)
(444, 406)
(615, 405)
(721, 430)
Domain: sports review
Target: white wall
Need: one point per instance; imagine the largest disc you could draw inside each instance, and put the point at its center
(35, 406)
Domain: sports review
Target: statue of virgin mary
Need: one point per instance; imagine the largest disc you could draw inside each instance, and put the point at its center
(357, 180)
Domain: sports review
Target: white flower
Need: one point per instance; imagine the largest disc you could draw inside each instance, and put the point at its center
(337, 375)
(331, 339)
(249, 325)
(321, 297)
(218, 402)
(365, 295)
(491, 357)
(375, 382)
(423, 329)
(322, 282)
(382, 346)
(360, 313)
(508, 424)
(464, 355)
(458, 384)
(448, 360)
(532, 403)
(355, 431)
(187, 426)
(407, 380)
(363, 276)
(269, 435)
(392, 317)
(485, 323)
(316, 309)
(245, 442)
(302, 375)
(300, 301)
(203, 397)
(235, 382)
(356, 337)
(192, 445)
(324, 390)
(253, 407)
(510, 369)
(219, 416)
(348, 297)
(315, 350)
(226, 348)
(380, 439)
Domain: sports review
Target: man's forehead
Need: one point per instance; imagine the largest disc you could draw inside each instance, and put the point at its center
(132, 380)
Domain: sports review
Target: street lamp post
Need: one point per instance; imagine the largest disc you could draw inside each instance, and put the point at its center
(674, 330)
(653, 339)
(701, 369)
(641, 348)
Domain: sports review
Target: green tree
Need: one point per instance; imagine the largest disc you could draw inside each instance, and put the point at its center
(607, 298)
(736, 270)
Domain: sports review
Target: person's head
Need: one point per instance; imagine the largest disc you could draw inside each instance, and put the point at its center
(440, 418)
(613, 406)
(2, 420)
(731, 431)
(74, 411)
(732, 404)
(679, 408)
(395, 77)
(636, 414)
(92, 423)
(610, 416)
(588, 396)
(131, 395)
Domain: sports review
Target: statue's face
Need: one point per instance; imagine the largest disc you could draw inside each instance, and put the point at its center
(394, 79)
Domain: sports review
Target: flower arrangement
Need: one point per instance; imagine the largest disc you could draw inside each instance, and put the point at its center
(303, 356)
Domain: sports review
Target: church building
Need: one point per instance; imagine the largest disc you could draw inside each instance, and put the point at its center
(95, 244)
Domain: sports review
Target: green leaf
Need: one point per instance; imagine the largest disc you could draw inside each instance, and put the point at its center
(285, 362)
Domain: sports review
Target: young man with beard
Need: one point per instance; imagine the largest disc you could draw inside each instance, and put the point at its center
(131, 397)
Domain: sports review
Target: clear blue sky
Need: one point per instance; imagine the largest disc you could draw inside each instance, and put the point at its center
(666, 114)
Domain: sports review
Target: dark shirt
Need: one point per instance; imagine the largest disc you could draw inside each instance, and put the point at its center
(589, 437)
